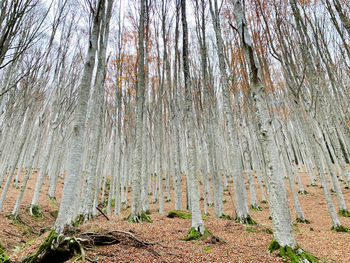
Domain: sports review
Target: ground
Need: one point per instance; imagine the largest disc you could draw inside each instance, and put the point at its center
(235, 243)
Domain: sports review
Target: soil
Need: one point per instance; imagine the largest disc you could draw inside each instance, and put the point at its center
(234, 243)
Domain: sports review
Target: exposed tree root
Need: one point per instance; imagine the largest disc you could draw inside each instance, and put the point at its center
(344, 213)
(248, 220)
(295, 255)
(302, 220)
(58, 248)
(194, 234)
(35, 211)
(341, 229)
(256, 208)
(143, 217)
(79, 220)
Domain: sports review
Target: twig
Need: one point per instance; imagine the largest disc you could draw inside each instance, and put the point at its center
(102, 212)
(133, 236)
(91, 260)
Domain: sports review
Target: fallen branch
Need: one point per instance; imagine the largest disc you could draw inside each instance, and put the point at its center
(102, 212)
(133, 236)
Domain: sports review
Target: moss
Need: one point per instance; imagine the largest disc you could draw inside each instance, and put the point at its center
(341, 229)
(295, 255)
(35, 211)
(268, 230)
(273, 246)
(54, 213)
(55, 248)
(194, 234)
(53, 200)
(3, 256)
(207, 249)
(303, 192)
(180, 214)
(78, 220)
(45, 246)
(251, 229)
(344, 213)
(247, 220)
(255, 208)
(295, 228)
(143, 217)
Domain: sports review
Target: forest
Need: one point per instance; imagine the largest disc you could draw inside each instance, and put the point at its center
(174, 131)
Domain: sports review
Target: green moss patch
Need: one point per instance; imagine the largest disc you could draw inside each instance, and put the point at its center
(55, 248)
(255, 208)
(303, 192)
(194, 234)
(247, 220)
(3, 257)
(78, 220)
(341, 229)
(143, 217)
(251, 229)
(180, 214)
(295, 255)
(344, 213)
(35, 211)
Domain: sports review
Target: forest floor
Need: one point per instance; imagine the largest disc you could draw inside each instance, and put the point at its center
(238, 243)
